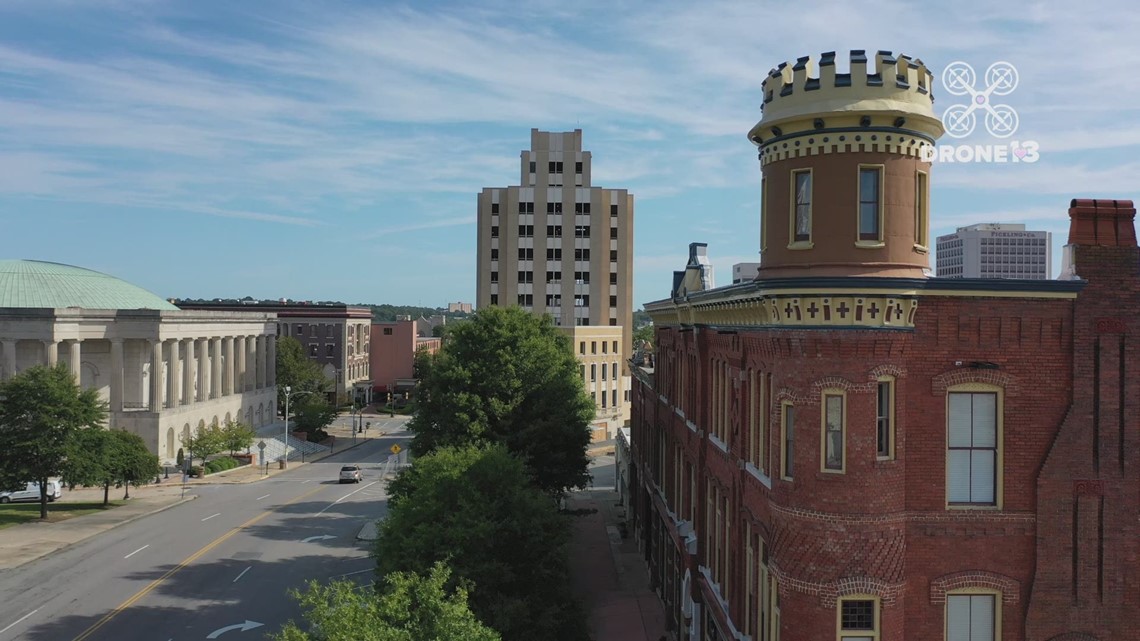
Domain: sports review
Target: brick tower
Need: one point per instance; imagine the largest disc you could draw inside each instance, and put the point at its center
(845, 185)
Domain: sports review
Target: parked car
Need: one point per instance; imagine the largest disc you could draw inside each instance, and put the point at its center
(350, 474)
(31, 492)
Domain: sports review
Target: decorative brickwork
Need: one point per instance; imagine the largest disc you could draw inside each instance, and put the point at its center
(963, 375)
(1010, 588)
(1074, 636)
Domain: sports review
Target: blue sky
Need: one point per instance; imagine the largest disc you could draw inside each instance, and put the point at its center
(333, 150)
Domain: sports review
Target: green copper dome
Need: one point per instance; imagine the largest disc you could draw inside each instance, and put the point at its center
(38, 284)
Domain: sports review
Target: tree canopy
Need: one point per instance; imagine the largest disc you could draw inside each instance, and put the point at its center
(475, 508)
(41, 409)
(296, 370)
(507, 376)
(108, 457)
(409, 607)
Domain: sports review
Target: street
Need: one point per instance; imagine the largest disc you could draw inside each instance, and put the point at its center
(219, 567)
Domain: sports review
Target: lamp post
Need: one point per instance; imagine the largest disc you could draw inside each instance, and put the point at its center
(285, 455)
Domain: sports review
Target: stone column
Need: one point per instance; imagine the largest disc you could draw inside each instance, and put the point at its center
(215, 367)
(203, 355)
(174, 373)
(271, 361)
(251, 363)
(187, 372)
(116, 375)
(9, 359)
(155, 401)
(260, 362)
(52, 349)
(240, 367)
(75, 361)
(228, 369)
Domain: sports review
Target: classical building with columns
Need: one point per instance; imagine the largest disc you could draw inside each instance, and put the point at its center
(334, 335)
(164, 372)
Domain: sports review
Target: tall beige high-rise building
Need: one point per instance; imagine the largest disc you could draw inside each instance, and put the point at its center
(555, 244)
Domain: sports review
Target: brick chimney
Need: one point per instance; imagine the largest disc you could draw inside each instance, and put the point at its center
(1107, 223)
(1102, 240)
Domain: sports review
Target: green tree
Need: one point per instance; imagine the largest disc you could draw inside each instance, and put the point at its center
(296, 371)
(132, 462)
(41, 409)
(643, 335)
(475, 508)
(409, 607)
(312, 415)
(421, 364)
(507, 376)
(207, 442)
(90, 461)
(237, 435)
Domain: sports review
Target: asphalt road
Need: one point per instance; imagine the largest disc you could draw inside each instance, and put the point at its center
(213, 568)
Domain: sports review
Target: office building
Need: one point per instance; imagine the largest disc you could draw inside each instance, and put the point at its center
(847, 448)
(394, 345)
(557, 244)
(744, 272)
(993, 250)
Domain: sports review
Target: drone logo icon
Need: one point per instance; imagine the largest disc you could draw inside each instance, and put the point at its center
(1000, 80)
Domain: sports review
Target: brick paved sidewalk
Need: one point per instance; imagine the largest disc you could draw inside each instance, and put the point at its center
(609, 575)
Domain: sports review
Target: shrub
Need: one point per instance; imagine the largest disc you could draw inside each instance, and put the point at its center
(221, 464)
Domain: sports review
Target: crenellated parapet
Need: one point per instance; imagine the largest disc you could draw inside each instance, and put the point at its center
(883, 95)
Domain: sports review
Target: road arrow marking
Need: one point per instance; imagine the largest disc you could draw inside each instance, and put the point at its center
(321, 537)
(244, 627)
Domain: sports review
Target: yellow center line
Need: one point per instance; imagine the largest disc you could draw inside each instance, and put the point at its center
(190, 559)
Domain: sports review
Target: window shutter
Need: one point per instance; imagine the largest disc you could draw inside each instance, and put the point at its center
(981, 476)
(958, 476)
(960, 414)
(985, 420)
(958, 618)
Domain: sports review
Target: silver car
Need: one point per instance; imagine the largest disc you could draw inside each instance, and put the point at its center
(350, 474)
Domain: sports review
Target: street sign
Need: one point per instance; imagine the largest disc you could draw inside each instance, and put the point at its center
(396, 449)
(261, 446)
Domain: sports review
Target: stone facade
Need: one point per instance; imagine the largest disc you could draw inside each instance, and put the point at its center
(162, 373)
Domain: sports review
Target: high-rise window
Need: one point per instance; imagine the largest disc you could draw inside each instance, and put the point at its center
(577, 167)
(787, 434)
(870, 202)
(494, 254)
(859, 618)
(553, 253)
(801, 206)
(526, 253)
(554, 231)
(613, 233)
(494, 299)
(885, 423)
(533, 168)
(494, 277)
(613, 210)
(613, 255)
(921, 209)
(581, 254)
(972, 441)
(972, 617)
(833, 437)
(494, 231)
(582, 231)
(581, 208)
(494, 208)
(526, 231)
(526, 208)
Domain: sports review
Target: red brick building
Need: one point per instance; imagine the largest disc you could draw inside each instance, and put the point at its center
(847, 448)
(393, 355)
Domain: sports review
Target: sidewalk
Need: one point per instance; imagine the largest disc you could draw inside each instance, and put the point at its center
(608, 573)
(20, 544)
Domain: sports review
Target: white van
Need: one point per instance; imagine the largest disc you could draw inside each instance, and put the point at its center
(31, 492)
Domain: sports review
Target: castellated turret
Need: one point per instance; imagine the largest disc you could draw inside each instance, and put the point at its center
(846, 175)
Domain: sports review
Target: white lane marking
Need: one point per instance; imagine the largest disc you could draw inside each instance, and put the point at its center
(352, 573)
(137, 551)
(19, 620)
(242, 574)
(306, 481)
(262, 497)
(346, 496)
(212, 516)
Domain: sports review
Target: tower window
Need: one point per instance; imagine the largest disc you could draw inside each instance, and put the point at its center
(801, 208)
(870, 203)
(921, 209)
